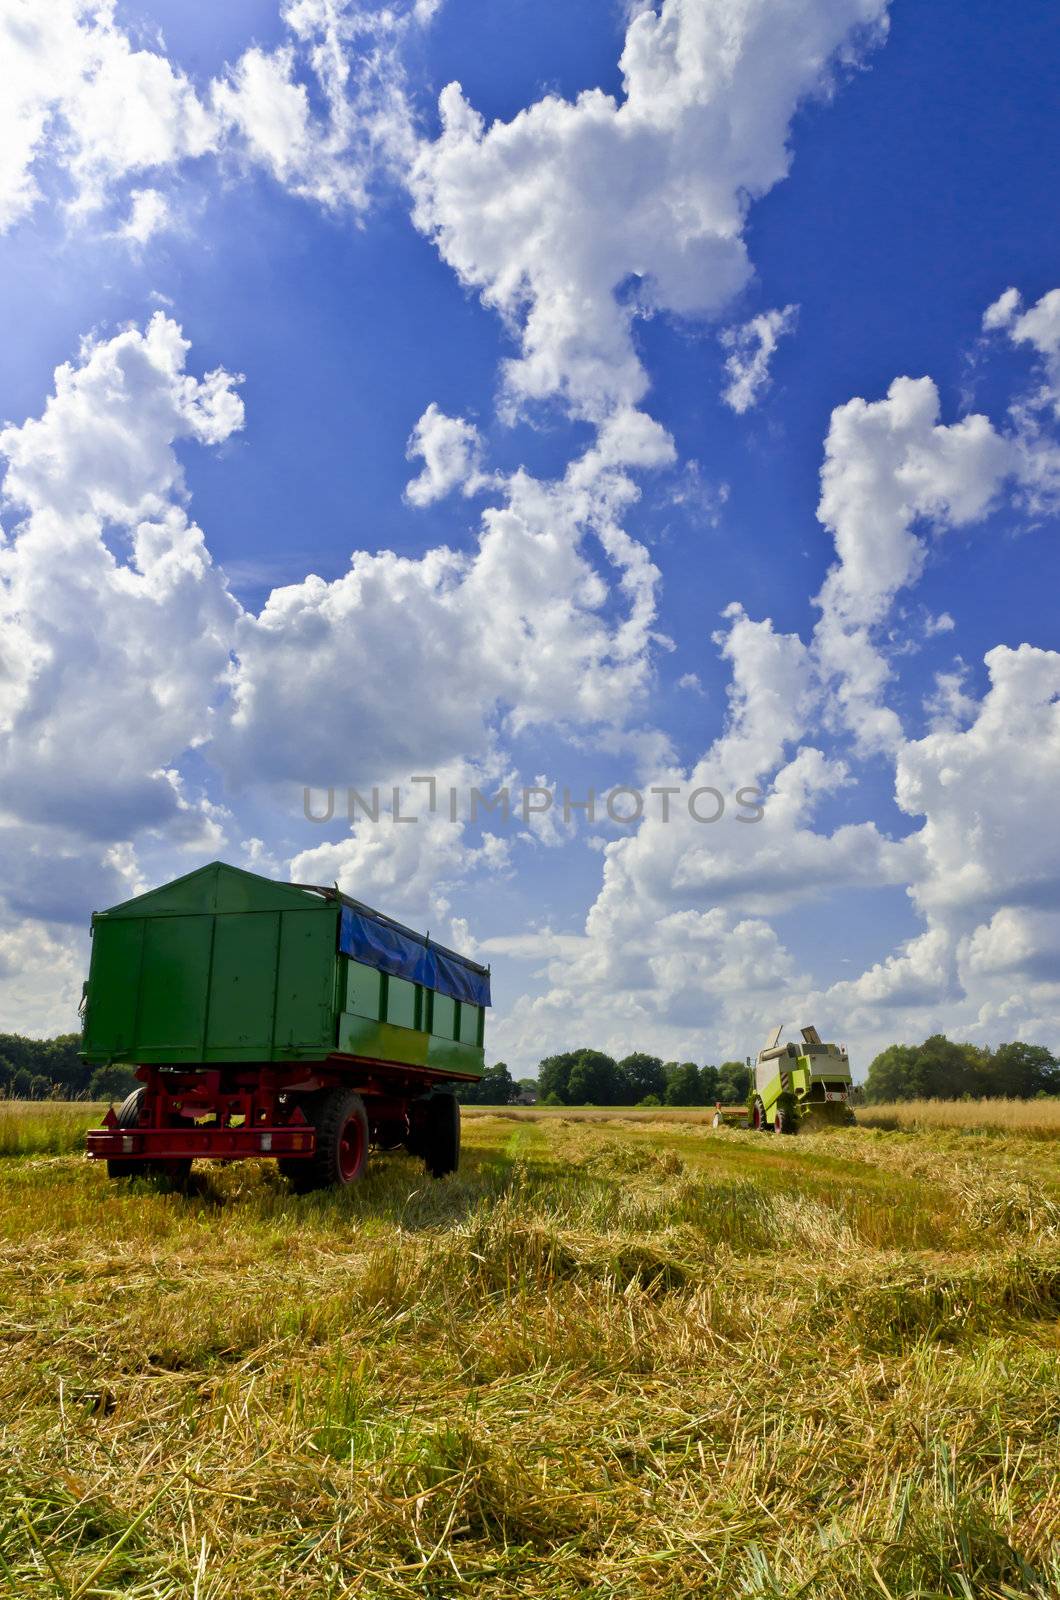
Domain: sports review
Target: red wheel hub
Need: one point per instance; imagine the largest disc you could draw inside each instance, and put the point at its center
(351, 1150)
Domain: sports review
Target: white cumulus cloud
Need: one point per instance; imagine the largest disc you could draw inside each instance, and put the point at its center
(891, 467)
(451, 450)
(322, 113)
(573, 218)
(77, 91)
(449, 650)
(751, 348)
(115, 625)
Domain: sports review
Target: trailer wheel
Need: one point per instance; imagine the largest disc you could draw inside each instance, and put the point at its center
(341, 1124)
(758, 1117)
(438, 1136)
(176, 1171)
(128, 1117)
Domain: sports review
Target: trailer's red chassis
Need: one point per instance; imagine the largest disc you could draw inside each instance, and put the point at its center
(113, 1143)
(236, 1112)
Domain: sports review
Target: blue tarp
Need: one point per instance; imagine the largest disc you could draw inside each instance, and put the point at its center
(382, 945)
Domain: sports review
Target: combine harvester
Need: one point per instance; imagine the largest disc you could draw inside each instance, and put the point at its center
(278, 1020)
(801, 1087)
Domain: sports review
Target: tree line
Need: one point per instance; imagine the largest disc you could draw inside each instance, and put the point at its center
(943, 1069)
(589, 1077)
(938, 1069)
(43, 1069)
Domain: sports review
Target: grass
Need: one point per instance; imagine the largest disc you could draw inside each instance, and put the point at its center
(614, 1356)
(46, 1127)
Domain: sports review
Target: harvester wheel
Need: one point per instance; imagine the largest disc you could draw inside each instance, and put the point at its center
(759, 1122)
(783, 1121)
(176, 1171)
(341, 1124)
(438, 1135)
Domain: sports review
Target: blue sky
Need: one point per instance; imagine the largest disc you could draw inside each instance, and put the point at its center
(648, 580)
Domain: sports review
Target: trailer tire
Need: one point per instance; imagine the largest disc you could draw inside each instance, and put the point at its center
(176, 1171)
(438, 1135)
(341, 1125)
(128, 1117)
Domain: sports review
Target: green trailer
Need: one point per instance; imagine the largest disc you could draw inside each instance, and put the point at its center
(796, 1086)
(279, 1020)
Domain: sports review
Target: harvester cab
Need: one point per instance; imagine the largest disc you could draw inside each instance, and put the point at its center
(798, 1085)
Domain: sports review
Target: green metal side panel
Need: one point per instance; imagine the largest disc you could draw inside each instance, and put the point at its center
(306, 982)
(443, 1025)
(447, 1055)
(468, 1023)
(383, 1041)
(174, 988)
(402, 1002)
(113, 984)
(243, 986)
(364, 988)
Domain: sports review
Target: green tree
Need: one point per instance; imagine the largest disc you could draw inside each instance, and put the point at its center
(1024, 1070)
(598, 1081)
(60, 1063)
(708, 1082)
(938, 1069)
(734, 1083)
(644, 1076)
(685, 1087)
(595, 1081)
(496, 1086)
(112, 1083)
(54, 1059)
(890, 1075)
(39, 1087)
(22, 1084)
(947, 1070)
(553, 1076)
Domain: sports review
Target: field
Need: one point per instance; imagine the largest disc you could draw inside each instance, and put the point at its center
(1035, 1119)
(615, 1356)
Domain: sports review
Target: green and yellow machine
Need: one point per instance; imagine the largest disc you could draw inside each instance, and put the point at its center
(801, 1085)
